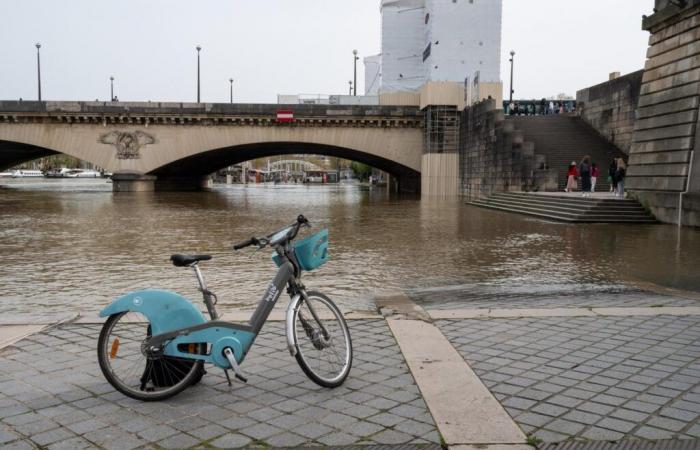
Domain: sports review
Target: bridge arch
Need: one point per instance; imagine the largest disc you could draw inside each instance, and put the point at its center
(191, 169)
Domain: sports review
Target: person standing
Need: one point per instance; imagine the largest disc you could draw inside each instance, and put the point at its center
(571, 178)
(612, 170)
(620, 175)
(584, 170)
(595, 173)
(551, 108)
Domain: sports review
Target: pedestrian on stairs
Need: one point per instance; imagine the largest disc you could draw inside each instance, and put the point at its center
(584, 170)
(571, 177)
(595, 173)
(620, 177)
(612, 170)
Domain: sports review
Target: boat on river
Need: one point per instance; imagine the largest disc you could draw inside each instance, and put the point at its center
(73, 173)
(24, 173)
(83, 173)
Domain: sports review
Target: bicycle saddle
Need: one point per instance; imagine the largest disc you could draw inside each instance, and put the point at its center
(186, 260)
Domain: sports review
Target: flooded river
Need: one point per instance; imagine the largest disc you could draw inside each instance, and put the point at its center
(71, 246)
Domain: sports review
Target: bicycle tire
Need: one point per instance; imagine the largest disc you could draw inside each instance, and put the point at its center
(120, 385)
(303, 336)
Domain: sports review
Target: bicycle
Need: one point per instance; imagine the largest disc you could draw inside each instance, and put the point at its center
(154, 343)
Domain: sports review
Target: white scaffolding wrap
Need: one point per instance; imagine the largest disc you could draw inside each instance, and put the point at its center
(439, 40)
(402, 45)
(372, 72)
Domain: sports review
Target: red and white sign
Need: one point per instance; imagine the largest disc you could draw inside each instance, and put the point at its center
(285, 115)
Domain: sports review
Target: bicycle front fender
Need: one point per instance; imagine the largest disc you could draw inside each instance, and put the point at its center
(166, 311)
(291, 309)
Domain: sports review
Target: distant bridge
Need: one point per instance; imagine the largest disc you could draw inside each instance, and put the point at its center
(173, 146)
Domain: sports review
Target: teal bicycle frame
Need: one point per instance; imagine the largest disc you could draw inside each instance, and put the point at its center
(176, 322)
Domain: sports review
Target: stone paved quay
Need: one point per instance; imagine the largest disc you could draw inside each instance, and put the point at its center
(632, 373)
(52, 394)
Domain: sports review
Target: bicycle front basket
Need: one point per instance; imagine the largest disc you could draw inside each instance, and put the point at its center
(312, 251)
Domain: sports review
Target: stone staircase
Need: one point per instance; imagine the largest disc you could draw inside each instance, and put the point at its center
(568, 208)
(565, 138)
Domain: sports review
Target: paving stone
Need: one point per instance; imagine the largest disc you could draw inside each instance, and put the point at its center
(582, 417)
(616, 425)
(157, 433)
(288, 439)
(630, 416)
(666, 423)
(208, 432)
(564, 427)
(601, 434)
(76, 443)
(336, 439)
(391, 437)
(179, 441)
(312, 430)
(260, 431)
(49, 437)
(651, 433)
(230, 440)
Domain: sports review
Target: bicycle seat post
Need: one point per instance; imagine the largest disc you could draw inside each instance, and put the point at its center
(206, 294)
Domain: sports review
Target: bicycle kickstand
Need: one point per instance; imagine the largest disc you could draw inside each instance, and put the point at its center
(228, 353)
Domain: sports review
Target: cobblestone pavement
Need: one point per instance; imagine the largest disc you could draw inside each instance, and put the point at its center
(597, 378)
(52, 394)
(551, 296)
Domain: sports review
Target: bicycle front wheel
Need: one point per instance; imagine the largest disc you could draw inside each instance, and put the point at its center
(127, 366)
(322, 340)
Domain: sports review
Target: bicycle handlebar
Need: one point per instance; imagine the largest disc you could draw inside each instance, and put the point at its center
(240, 245)
(262, 242)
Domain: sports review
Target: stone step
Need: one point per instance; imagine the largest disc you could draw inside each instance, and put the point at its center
(574, 199)
(574, 215)
(568, 208)
(574, 208)
(559, 218)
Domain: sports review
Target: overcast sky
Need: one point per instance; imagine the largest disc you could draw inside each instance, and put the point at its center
(283, 46)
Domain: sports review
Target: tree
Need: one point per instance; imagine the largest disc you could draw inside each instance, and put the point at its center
(362, 171)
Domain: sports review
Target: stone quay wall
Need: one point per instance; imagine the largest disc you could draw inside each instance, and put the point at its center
(663, 174)
(609, 108)
(495, 157)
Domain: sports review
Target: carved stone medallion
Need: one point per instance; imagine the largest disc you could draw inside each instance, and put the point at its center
(127, 143)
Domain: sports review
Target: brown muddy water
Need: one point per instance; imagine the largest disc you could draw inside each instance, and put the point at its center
(71, 246)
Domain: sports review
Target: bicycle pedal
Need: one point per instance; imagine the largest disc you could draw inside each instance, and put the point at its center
(242, 378)
(228, 353)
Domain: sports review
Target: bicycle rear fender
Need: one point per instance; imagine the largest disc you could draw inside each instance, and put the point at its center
(165, 310)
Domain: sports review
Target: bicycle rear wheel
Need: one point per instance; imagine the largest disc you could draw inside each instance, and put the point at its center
(325, 357)
(126, 366)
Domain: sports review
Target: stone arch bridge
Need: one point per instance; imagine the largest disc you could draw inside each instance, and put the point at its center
(173, 146)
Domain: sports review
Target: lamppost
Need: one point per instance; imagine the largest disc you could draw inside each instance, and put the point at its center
(230, 80)
(354, 78)
(198, 50)
(111, 89)
(38, 68)
(350, 92)
(512, 57)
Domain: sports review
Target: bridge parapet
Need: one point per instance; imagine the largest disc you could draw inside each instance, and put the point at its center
(155, 113)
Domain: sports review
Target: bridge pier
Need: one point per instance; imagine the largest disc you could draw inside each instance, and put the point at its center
(133, 182)
(136, 182)
(183, 183)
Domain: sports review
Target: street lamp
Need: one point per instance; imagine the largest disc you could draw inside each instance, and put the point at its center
(198, 50)
(512, 57)
(354, 60)
(230, 80)
(38, 68)
(350, 92)
(111, 88)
